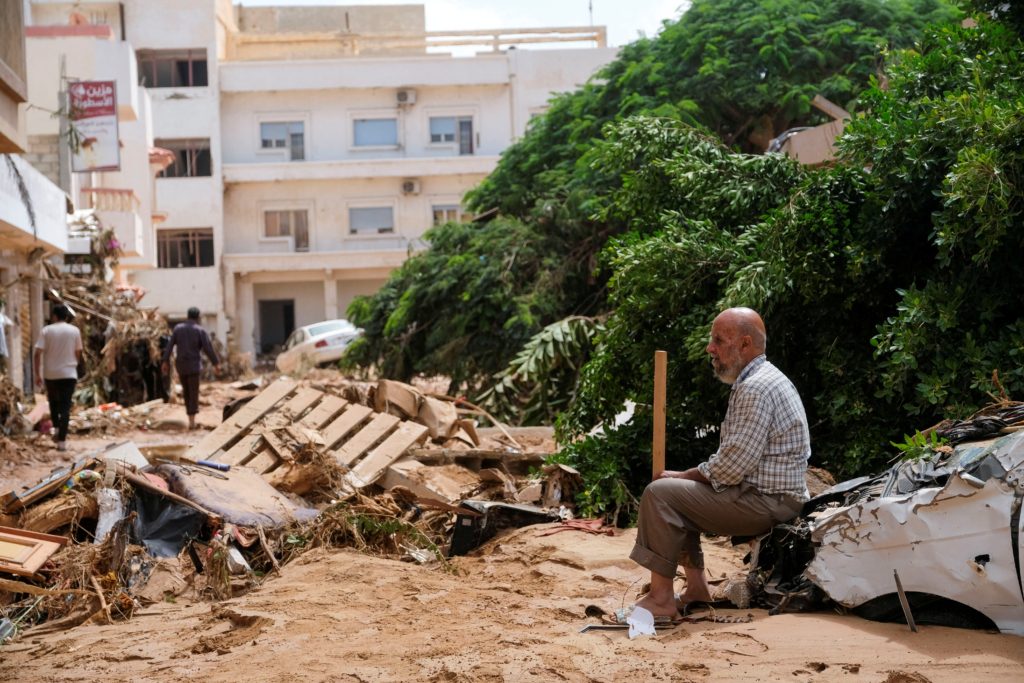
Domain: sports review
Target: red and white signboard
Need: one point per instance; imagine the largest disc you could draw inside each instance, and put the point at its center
(94, 143)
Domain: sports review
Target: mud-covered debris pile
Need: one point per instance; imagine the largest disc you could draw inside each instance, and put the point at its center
(292, 468)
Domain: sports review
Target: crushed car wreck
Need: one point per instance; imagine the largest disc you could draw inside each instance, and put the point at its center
(946, 529)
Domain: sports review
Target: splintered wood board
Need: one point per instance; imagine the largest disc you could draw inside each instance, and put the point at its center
(228, 431)
(377, 428)
(271, 456)
(326, 410)
(372, 467)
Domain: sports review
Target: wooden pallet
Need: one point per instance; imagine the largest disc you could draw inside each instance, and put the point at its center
(279, 421)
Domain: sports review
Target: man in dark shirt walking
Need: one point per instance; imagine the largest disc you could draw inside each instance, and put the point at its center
(192, 341)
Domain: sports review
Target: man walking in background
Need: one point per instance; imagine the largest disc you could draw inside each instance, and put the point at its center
(192, 341)
(57, 352)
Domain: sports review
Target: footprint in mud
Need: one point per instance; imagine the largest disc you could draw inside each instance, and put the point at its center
(738, 643)
(244, 629)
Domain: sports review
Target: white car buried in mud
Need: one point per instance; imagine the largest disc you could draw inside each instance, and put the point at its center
(929, 541)
(317, 344)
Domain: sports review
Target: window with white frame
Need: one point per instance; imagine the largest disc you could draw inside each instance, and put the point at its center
(294, 223)
(371, 220)
(284, 135)
(449, 213)
(457, 130)
(375, 132)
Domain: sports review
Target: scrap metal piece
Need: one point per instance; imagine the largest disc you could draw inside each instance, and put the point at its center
(904, 603)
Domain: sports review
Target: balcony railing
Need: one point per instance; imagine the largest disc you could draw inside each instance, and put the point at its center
(353, 44)
(110, 199)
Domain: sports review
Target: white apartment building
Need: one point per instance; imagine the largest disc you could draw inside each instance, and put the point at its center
(314, 145)
(33, 209)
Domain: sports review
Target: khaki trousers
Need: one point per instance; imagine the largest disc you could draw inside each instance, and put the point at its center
(674, 513)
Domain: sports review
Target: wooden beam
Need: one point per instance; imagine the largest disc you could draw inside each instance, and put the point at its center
(658, 450)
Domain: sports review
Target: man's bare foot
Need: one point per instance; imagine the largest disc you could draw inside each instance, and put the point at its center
(658, 609)
(688, 597)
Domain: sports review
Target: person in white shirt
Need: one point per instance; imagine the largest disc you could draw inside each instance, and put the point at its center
(57, 352)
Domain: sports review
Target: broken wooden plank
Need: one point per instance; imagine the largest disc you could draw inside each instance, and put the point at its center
(302, 435)
(365, 438)
(451, 454)
(345, 423)
(325, 411)
(272, 456)
(246, 448)
(264, 461)
(302, 401)
(227, 432)
(13, 501)
(370, 468)
(446, 483)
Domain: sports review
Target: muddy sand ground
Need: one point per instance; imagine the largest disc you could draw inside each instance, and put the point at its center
(510, 612)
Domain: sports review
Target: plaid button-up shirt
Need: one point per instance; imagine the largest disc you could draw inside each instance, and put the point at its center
(764, 441)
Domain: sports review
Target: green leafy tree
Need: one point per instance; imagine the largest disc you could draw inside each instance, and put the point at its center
(884, 281)
(742, 70)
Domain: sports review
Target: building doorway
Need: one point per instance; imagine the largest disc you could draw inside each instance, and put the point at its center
(277, 321)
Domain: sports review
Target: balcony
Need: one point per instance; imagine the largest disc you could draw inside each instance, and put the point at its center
(119, 210)
(363, 261)
(397, 167)
(92, 53)
(32, 209)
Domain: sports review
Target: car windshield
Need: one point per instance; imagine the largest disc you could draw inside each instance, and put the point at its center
(330, 326)
(293, 339)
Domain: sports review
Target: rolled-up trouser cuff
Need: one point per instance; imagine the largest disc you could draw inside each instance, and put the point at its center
(659, 565)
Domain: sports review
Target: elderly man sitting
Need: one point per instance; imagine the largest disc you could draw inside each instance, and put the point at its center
(754, 481)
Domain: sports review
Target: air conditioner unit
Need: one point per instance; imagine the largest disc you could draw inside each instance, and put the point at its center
(410, 186)
(406, 96)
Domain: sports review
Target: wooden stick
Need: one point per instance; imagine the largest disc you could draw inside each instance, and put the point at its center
(99, 594)
(144, 483)
(266, 548)
(658, 450)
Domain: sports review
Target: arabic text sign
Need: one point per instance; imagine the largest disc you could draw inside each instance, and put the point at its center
(94, 120)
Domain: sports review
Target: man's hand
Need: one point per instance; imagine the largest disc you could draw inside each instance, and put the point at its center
(693, 474)
(39, 382)
(165, 368)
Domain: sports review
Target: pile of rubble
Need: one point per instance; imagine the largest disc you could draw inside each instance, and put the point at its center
(383, 468)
